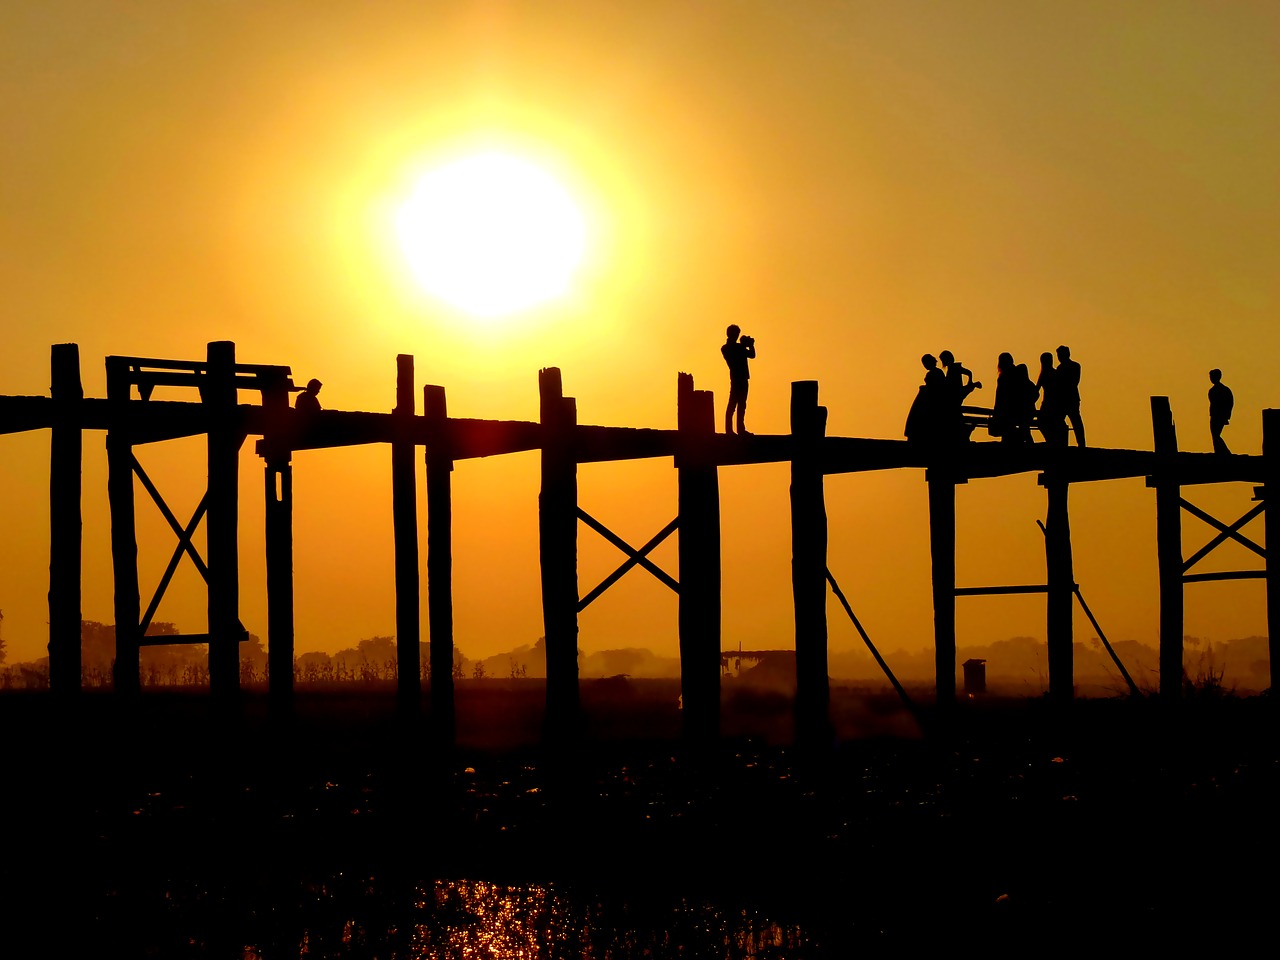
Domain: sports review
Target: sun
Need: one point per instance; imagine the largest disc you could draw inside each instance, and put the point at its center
(492, 234)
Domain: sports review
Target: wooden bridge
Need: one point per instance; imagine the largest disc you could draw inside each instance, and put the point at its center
(130, 418)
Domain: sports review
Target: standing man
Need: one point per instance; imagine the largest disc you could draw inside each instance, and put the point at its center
(1067, 383)
(736, 354)
(1221, 403)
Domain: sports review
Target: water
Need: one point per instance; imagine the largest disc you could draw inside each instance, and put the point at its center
(155, 836)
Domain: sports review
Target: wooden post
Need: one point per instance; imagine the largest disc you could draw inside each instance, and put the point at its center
(558, 552)
(809, 563)
(439, 561)
(699, 559)
(942, 551)
(1061, 590)
(278, 477)
(65, 466)
(1168, 547)
(1271, 479)
(124, 544)
(404, 508)
(221, 522)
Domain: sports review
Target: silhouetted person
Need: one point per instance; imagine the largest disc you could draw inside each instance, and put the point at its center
(1026, 408)
(957, 388)
(736, 354)
(1003, 422)
(1221, 403)
(1068, 383)
(926, 419)
(307, 402)
(1052, 419)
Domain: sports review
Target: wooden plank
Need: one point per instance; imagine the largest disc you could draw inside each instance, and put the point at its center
(1168, 547)
(1001, 591)
(65, 520)
(404, 509)
(439, 466)
(698, 519)
(1224, 575)
(809, 564)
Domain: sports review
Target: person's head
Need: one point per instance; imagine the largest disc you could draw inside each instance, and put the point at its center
(1215, 375)
(929, 361)
(732, 332)
(946, 358)
(1064, 353)
(1004, 362)
(313, 386)
(1046, 361)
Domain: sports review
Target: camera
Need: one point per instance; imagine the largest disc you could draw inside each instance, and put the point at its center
(748, 341)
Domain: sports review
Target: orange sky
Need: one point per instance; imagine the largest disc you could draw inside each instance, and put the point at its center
(854, 185)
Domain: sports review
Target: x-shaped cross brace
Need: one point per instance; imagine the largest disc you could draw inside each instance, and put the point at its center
(185, 545)
(634, 556)
(1227, 532)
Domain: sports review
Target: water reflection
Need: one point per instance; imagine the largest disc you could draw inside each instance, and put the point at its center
(527, 921)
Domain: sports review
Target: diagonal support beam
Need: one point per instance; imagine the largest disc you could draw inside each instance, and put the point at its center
(183, 538)
(635, 556)
(1230, 532)
(184, 543)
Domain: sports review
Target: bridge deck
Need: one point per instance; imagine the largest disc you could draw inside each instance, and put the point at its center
(151, 421)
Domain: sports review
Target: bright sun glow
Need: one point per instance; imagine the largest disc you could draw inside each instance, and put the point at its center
(492, 234)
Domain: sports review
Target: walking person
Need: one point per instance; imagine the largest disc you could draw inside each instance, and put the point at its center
(1221, 403)
(737, 350)
(1068, 383)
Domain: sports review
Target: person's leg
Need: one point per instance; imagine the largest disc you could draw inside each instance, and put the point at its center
(742, 408)
(728, 411)
(1219, 445)
(1077, 424)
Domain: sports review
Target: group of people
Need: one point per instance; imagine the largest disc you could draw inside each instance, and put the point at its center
(936, 414)
(1055, 389)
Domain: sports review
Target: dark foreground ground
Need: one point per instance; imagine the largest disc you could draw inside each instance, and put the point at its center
(1011, 827)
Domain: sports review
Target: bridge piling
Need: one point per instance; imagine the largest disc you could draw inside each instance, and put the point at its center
(1271, 484)
(223, 441)
(942, 554)
(65, 523)
(1060, 579)
(278, 487)
(124, 544)
(439, 467)
(404, 510)
(1168, 546)
(558, 553)
(809, 563)
(699, 558)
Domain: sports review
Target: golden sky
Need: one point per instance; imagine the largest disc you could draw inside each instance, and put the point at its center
(853, 183)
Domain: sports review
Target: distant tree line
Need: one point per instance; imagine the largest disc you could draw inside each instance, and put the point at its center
(187, 664)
